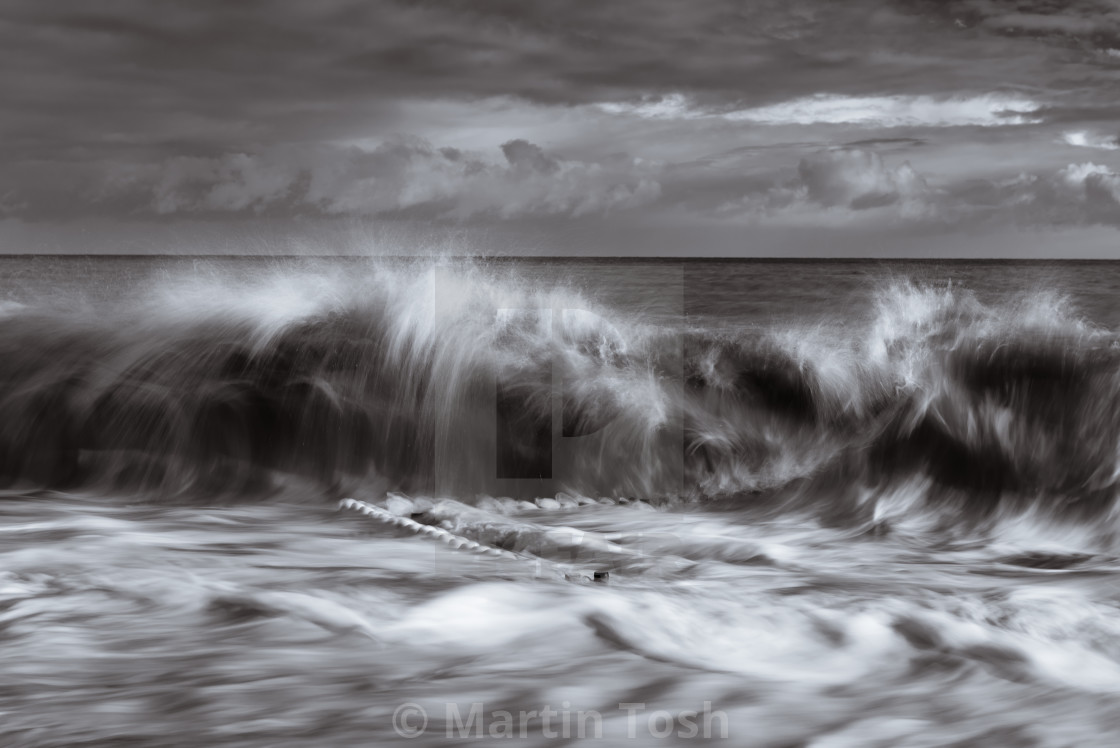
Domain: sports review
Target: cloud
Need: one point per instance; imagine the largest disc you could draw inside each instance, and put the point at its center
(1051, 23)
(1091, 190)
(840, 185)
(1075, 21)
(127, 109)
(407, 176)
(987, 110)
(856, 187)
(526, 158)
(669, 106)
(857, 179)
(401, 176)
(187, 78)
(235, 182)
(1078, 194)
(1086, 139)
(869, 185)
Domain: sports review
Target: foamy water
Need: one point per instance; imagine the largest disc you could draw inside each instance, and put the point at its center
(876, 514)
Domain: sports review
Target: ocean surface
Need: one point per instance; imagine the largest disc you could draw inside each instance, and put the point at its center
(354, 502)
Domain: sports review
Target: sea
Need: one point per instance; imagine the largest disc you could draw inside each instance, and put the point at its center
(288, 501)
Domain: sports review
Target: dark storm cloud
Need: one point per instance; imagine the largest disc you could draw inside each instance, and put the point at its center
(134, 74)
(1080, 22)
(126, 76)
(135, 108)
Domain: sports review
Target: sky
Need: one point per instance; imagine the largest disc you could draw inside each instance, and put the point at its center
(967, 128)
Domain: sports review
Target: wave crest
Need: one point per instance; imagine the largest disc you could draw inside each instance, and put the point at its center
(468, 380)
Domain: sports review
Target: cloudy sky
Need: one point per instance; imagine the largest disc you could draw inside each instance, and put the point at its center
(702, 127)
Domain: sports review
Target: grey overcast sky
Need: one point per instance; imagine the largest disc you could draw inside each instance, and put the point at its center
(698, 127)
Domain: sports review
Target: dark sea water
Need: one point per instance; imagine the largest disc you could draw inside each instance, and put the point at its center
(828, 503)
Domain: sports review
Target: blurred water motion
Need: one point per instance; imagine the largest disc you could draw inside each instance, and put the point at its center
(855, 507)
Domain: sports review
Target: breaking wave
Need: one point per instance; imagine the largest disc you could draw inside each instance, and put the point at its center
(468, 380)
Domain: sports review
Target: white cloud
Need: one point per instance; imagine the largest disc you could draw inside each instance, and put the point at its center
(1076, 174)
(987, 110)
(670, 106)
(1095, 183)
(1086, 139)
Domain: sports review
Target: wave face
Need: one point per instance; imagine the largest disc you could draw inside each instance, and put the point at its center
(469, 379)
